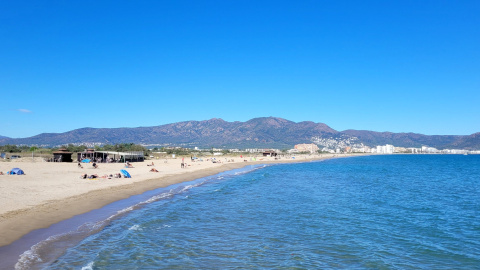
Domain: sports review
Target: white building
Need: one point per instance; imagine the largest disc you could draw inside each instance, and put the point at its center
(426, 149)
(385, 149)
(293, 151)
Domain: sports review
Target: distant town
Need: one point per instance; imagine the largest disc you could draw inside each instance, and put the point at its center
(379, 149)
(346, 145)
(313, 148)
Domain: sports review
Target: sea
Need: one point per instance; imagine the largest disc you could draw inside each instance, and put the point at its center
(367, 212)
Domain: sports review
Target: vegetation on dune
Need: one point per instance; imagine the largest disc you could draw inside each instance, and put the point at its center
(22, 149)
(10, 148)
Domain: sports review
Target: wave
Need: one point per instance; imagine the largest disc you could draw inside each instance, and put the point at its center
(44, 252)
(89, 266)
(135, 227)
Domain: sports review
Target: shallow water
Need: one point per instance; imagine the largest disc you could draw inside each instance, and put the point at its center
(375, 212)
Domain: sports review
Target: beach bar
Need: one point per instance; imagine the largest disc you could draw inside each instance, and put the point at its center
(111, 156)
(62, 155)
(269, 153)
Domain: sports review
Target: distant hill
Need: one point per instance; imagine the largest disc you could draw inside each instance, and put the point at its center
(263, 132)
(3, 137)
(372, 138)
(470, 142)
(258, 132)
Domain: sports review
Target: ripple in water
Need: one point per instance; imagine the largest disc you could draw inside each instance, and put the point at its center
(377, 212)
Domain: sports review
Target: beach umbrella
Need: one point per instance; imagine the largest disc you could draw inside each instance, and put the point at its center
(126, 174)
(16, 171)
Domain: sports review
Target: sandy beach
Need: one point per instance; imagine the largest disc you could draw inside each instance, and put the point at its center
(52, 192)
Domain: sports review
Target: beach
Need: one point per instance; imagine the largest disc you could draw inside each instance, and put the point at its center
(51, 192)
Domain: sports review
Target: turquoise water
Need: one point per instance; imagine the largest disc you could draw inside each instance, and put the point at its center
(374, 212)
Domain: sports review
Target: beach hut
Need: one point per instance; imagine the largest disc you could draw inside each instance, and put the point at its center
(269, 153)
(87, 154)
(111, 156)
(62, 155)
(16, 171)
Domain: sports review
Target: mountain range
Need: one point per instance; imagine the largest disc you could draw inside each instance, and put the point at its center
(263, 132)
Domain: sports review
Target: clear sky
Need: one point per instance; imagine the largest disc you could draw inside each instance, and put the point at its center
(399, 66)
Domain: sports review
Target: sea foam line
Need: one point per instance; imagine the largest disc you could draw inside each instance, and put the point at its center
(89, 266)
(37, 254)
(34, 256)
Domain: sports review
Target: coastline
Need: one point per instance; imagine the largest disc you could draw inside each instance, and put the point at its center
(65, 195)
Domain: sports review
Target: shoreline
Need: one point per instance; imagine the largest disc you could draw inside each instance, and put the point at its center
(62, 204)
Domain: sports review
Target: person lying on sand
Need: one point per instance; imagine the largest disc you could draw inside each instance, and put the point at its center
(118, 175)
(154, 170)
(151, 164)
(85, 176)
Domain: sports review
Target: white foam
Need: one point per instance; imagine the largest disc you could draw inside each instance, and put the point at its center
(26, 259)
(33, 256)
(135, 227)
(89, 266)
(163, 227)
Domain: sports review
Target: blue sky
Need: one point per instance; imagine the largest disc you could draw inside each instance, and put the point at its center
(399, 66)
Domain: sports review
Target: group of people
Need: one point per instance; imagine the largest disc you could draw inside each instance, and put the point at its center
(117, 175)
(93, 176)
(214, 160)
(94, 165)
